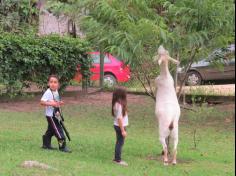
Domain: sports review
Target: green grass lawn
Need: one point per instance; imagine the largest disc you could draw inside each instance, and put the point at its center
(93, 143)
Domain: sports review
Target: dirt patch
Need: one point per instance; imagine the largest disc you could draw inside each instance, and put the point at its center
(75, 96)
(96, 99)
(226, 107)
(35, 164)
(20, 106)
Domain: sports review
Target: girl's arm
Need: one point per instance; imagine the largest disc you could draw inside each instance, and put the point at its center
(124, 134)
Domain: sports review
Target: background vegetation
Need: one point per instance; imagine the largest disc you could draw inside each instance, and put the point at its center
(134, 29)
(18, 16)
(29, 59)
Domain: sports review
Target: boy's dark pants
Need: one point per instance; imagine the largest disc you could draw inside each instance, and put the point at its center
(54, 129)
(119, 143)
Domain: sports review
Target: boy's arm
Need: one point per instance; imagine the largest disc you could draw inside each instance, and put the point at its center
(47, 100)
(50, 103)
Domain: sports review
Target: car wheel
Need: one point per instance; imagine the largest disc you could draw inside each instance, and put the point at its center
(193, 79)
(110, 80)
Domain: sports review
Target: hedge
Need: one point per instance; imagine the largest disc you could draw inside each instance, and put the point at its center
(31, 59)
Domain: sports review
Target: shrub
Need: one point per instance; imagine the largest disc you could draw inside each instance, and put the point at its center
(27, 59)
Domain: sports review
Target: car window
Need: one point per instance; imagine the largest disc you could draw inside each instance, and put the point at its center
(223, 54)
(96, 59)
(107, 60)
(231, 61)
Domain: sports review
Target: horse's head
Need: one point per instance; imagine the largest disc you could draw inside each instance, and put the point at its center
(164, 57)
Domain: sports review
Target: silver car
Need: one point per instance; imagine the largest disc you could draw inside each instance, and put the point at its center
(206, 69)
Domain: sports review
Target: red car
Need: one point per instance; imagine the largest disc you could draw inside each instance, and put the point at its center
(115, 70)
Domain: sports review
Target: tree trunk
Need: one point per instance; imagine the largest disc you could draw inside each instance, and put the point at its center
(184, 95)
(195, 138)
(74, 30)
(193, 54)
(176, 73)
(30, 13)
(102, 55)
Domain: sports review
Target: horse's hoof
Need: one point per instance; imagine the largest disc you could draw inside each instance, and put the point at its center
(174, 163)
(166, 163)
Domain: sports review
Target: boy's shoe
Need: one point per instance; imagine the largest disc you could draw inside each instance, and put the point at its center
(121, 163)
(47, 144)
(63, 148)
(48, 148)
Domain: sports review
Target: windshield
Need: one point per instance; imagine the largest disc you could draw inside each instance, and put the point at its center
(223, 54)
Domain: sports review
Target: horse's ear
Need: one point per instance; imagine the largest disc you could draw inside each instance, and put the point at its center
(161, 50)
(160, 61)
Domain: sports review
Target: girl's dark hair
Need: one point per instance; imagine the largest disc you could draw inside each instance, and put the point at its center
(53, 76)
(120, 96)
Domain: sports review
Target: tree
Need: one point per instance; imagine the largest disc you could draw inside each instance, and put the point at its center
(129, 29)
(133, 29)
(198, 27)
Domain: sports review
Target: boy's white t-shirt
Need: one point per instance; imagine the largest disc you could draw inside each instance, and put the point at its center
(48, 96)
(118, 115)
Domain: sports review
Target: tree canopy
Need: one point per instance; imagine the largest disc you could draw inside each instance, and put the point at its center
(133, 29)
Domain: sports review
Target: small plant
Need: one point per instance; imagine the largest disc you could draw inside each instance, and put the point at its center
(198, 118)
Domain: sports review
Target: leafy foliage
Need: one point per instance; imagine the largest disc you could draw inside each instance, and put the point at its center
(133, 29)
(197, 28)
(27, 59)
(128, 29)
(200, 26)
(16, 16)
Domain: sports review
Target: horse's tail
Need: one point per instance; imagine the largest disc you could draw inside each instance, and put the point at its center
(171, 126)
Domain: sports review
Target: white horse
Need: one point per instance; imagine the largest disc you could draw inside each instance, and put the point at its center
(167, 105)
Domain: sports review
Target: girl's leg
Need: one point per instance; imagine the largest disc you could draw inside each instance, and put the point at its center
(119, 144)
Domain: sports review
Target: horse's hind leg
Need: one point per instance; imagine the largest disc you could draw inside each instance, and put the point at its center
(163, 135)
(175, 137)
(168, 145)
(165, 150)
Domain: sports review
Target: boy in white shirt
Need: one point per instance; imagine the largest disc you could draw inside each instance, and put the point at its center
(51, 101)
